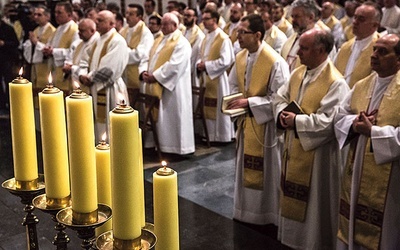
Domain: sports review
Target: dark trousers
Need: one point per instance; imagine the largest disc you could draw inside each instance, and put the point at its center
(7, 74)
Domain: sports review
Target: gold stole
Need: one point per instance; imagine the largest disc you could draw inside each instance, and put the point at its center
(253, 159)
(283, 26)
(65, 42)
(40, 70)
(271, 38)
(287, 46)
(101, 103)
(195, 32)
(299, 163)
(211, 93)
(232, 36)
(132, 70)
(362, 67)
(374, 182)
(348, 32)
(344, 21)
(332, 22)
(156, 89)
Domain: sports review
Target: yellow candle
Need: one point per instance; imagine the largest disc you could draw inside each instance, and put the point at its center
(103, 171)
(54, 142)
(141, 185)
(23, 130)
(81, 152)
(125, 173)
(165, 200)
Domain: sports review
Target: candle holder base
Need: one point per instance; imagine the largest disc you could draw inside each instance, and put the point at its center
(61, 239)
(26, 195)
(85, 232)
(106, 240)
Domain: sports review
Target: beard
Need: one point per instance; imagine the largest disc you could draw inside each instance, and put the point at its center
(188, 23)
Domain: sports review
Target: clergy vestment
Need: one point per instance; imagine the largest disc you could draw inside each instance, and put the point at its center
(354, 59)
(311, 159)
(259, 76)
(110, 51)
(336, 29)
(390, 19)
(64, 36)
(175, 119)
(217, 53)
(285, 26)
(275, 38)
(40, 66)
(78, 49)
(140, 40)
(371, 177)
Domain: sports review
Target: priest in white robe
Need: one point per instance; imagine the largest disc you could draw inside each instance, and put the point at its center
(368, 120)
(168, 78)
(102, 68)
(311, 158)
(215, 58)
(258, 73)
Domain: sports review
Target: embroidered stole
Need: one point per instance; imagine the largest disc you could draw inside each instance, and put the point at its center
(101, 103)
(363, 62)
(65, 42)
(287, 46)
(298, 163)
(270, 39)
(211, 92)
(156, 89)
(254, 133)
(195, 32)
(348, 32)
(283, 26)
(132, 70)
(374, 181)
(332, 22)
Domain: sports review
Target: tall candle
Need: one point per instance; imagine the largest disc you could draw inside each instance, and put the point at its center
(81, 152)
(165, 200)
(125, 173)
(54, 142)
(103, 171)
(23, 130)
(141, 184)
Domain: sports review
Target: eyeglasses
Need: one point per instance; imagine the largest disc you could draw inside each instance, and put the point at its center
(242, 32)
(207, 18)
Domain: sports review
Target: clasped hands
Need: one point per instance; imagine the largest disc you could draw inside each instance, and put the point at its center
(287, 119)
(364, 122)
(148, 77)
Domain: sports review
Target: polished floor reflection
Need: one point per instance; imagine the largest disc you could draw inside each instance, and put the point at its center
(205, 182)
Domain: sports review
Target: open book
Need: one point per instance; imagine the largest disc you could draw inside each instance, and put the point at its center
(232, 112)
(294, 107)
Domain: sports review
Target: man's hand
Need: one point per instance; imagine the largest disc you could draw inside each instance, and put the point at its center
(287, 119)
(47, 51)
(33, 37)
(238, 103)
(363, 123)
(201, 66)
(67, 68)
(85, 80)
(1, 43)
(148, 77)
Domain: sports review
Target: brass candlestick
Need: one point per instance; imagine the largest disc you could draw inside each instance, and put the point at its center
(86, 232)
(52, 207)
(26, 191)
(147, 240)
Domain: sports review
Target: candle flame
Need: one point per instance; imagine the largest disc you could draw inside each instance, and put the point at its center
(21, 70)
(164, 164)
(76, 85)
(104, 136)
(50, 79)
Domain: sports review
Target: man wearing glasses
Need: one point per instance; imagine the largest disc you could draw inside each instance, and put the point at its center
(258, 73)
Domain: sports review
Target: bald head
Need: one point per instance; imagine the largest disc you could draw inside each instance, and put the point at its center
(105, 21)
(327, 9)
(169, 23)
(87, 27)
(385, 59)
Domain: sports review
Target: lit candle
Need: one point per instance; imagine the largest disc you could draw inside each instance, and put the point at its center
(103, 171)
(141, 184)
(23, 130)
(54, 142)
(165, 200)
(82, 154)
(125, 172)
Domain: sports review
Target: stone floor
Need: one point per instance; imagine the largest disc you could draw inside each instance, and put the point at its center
(205, 181)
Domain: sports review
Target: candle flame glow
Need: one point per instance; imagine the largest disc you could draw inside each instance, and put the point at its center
(76, 85)
(121, 99)
(104, 136)
(21, 70)
(164, 164)
(50, 78)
